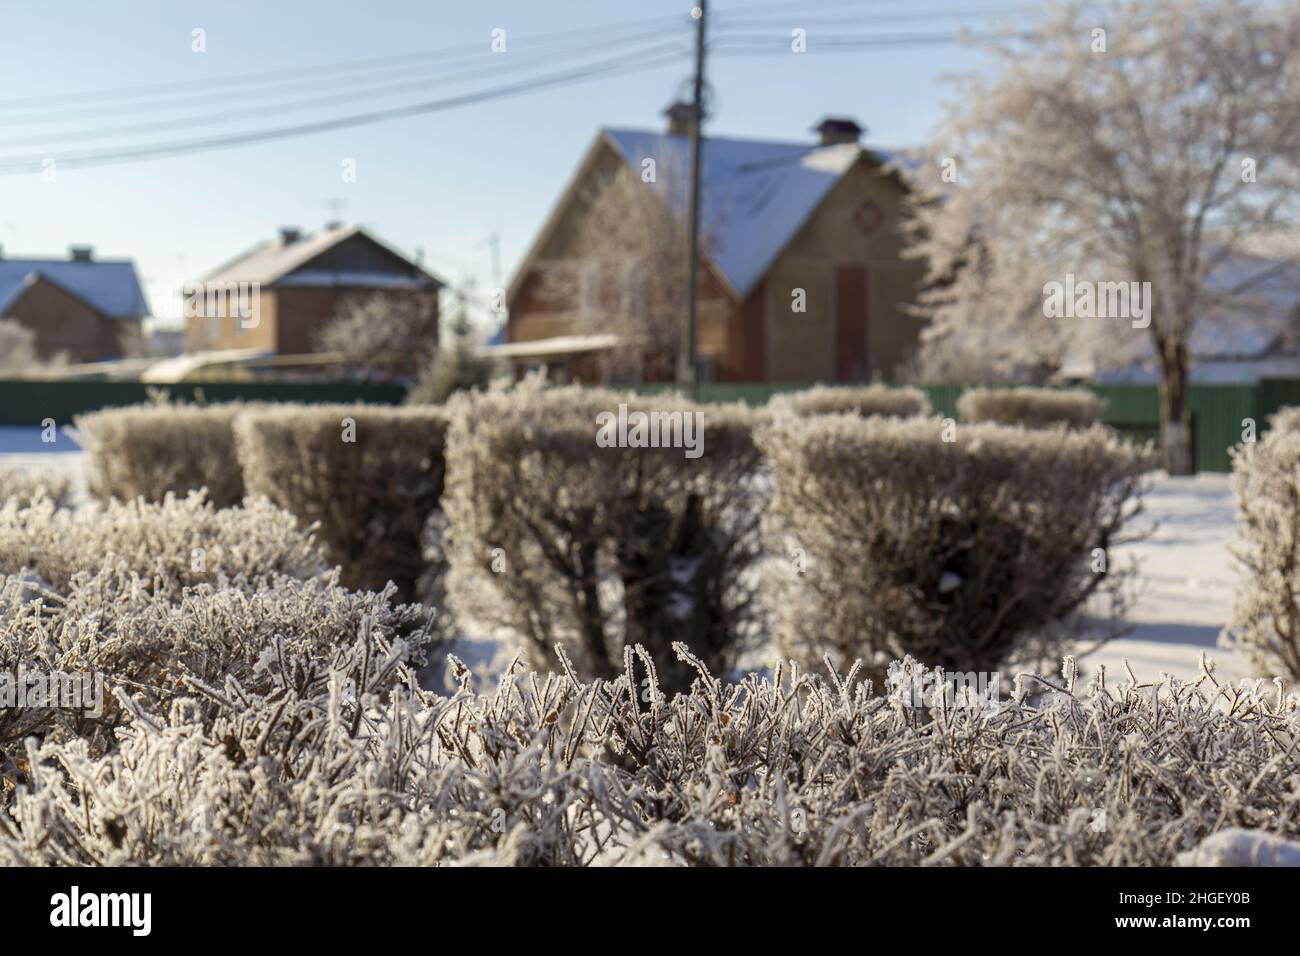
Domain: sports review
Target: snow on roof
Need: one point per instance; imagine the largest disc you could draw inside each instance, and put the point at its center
(110, 286)
(559, 345)
(269, 261)
(1251, 324)
(351, 277)
(755, 195)
(176, 368)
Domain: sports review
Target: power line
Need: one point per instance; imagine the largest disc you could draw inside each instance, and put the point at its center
(802, 18)
(615, 66)
(426, 70)
(777, 45)
(171, 90)
(294, 106)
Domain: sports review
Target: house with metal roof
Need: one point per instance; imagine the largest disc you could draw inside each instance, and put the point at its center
(276, 296)
(82, 308)
(803, 276)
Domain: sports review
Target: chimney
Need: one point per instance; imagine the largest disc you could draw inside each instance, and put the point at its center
(334, 224)
(289, 235)
(838, 129)
(680, 115)
(81, 253)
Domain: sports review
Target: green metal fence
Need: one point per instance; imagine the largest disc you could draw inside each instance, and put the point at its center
(1218, 411)
(33, 402)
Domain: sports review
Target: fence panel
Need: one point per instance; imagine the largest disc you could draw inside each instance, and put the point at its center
(32, 402)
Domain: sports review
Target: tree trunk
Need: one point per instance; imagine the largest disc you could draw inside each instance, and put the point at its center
(1175, 410)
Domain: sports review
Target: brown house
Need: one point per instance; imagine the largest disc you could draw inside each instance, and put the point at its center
(804, 280)
(85, 309)
(276, 296)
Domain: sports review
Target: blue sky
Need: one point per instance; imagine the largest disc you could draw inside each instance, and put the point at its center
(441, 182)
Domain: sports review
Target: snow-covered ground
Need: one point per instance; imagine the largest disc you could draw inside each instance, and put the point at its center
(1185, 580)
(1186, 577)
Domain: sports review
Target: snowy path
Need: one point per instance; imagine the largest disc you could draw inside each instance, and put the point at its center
(1186, 580)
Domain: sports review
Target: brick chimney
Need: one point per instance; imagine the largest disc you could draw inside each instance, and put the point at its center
(680, 116)
(289, 235)
(81, 253)
(838, 129)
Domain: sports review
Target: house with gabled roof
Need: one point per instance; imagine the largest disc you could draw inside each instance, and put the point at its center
(82, 308)
(803, 279)
(297, 281)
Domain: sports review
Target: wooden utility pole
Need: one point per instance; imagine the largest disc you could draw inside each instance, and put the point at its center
(692, 366)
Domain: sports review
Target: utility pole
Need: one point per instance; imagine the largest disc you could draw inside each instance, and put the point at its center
(692, 366)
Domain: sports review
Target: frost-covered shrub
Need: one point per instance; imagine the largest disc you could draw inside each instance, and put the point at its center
(957, 552)
(371, 476)
(358, 766)
(155, 649)
(152, 449)
(866, 400)
(556, 539)
(1266, 608)
(169, 544)
(28, 484)
(1031, 407)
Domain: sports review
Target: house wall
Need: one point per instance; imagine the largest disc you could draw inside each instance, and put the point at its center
(359, 254)
(856, 225)
(539, 310)
(66, 324)
(302, 313)
(222, 329)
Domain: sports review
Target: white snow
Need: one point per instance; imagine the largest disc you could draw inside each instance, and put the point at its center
(1238, 847)
(1186, 577)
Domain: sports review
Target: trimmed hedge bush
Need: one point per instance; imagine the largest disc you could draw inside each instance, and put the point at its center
(370, 476)
(893, 402)
(1031, 407)
(157, 648)
(152, 449)
(956, 552)
(30, 484)
(547, 769)
(1266, 608)
(162, 547)
(557, 540)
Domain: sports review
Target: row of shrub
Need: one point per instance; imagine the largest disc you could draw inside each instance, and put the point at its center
(1266, 610)
(860, 535)
(1030, 407)
(327, 752)
(263, 714)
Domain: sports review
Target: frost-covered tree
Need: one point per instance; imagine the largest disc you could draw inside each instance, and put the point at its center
(625, 273)
(457, 364)
(1132, 141)
(383, 332)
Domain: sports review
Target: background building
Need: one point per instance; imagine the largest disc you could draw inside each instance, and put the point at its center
(300, 281)
(83, 308)
(803, 281)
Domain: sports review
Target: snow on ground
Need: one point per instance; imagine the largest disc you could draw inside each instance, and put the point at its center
(23, 447)
(1185, 584)
(1186, 577)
